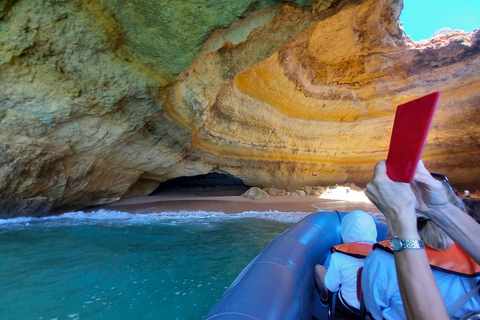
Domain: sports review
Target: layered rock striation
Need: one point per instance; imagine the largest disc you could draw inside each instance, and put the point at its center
(105, 99)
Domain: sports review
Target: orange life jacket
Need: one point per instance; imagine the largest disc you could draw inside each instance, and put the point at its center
(353, 249)
(453, 260)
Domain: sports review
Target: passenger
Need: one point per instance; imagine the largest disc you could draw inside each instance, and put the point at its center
(359, 233)
(416, 285)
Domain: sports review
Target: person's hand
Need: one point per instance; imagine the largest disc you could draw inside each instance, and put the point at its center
(396, 201)
(430, 193)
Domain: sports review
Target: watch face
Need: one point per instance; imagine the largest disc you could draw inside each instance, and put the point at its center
(396, 244)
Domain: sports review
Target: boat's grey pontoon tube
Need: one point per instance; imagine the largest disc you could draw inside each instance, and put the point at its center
(279, 283)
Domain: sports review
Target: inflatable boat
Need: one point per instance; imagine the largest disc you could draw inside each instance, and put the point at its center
(279, 282)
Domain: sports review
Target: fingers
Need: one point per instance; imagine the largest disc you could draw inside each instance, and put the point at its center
(421, 173)
(378, 186)
(421, 166)
(428, 191)
(368, 191)
(380, 168)
(386, 194)
(423, 178)
(379, 172)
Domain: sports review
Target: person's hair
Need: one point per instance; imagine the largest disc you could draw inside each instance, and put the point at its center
(432, 235)
(473, 208)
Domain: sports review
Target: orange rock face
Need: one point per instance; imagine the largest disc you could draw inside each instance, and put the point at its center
(325, 102)
(287, 96)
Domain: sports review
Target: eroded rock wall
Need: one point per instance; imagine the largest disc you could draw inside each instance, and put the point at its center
(102, 99)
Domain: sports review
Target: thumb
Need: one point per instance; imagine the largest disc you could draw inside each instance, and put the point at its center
(421, 174)
(380, 168)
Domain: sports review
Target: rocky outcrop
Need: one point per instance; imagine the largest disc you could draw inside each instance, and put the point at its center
(101, 99)
(256, 193)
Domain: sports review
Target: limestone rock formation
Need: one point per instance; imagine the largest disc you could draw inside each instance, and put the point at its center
(256, 193)
(102, 99)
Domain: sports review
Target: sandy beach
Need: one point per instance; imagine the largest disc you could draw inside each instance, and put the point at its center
(231, 200)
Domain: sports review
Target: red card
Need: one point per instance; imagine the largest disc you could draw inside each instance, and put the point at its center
(409, 134)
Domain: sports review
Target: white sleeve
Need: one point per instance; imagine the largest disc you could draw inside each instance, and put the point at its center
(333, 278)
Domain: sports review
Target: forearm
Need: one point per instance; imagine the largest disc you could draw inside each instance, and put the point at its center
(320, 272)
(459, 226)
(420, 293)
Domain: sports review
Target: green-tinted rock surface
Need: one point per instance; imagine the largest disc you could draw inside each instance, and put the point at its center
(101, 99)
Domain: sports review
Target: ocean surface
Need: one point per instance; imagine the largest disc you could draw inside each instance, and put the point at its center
(116, 265)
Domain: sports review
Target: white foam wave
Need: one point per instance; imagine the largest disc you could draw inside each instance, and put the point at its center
(22, 220)
(112, 216)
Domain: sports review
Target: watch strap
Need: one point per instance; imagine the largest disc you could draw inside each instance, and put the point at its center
(412, 244)
(399, 245)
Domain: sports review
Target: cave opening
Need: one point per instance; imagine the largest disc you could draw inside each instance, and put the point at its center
(422, 20)
(210, 184)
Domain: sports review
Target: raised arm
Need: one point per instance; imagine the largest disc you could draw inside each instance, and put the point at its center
(432, 201)
(416, 282)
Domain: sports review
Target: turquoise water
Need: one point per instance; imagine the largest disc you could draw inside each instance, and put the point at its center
(114, 265)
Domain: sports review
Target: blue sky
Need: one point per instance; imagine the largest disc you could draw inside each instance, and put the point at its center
(422, 18)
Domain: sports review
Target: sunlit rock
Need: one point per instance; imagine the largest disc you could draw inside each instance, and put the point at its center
(256, 193)
(104, 99)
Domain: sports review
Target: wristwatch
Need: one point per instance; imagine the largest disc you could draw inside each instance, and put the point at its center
(399, 245)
